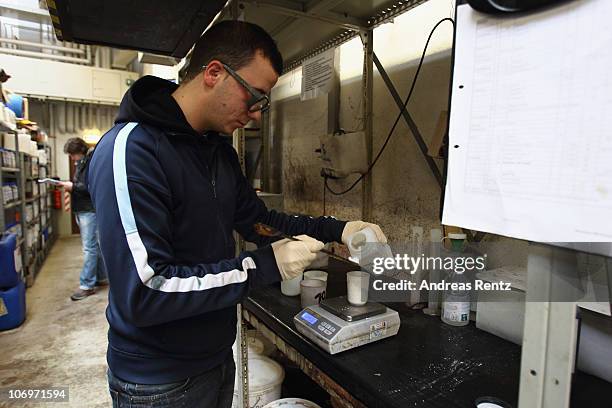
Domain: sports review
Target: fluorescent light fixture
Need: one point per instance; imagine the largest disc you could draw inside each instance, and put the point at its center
(92, 136)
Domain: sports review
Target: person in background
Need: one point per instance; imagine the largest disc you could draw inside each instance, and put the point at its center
(93, 273)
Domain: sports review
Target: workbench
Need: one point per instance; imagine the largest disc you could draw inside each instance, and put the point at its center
(428, 364)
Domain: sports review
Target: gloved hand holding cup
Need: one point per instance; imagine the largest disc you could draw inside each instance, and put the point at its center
(292, 257)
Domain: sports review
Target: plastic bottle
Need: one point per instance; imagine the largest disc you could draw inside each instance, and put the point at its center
(456, 305)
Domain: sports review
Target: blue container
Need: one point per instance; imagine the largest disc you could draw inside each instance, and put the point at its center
(15, 103)
(8, 275)
(12, 307)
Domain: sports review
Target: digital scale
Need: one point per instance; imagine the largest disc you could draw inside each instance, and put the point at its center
(335, 325)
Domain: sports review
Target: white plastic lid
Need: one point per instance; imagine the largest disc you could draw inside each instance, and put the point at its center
(489, 405)
(264, 373)
(491, 402)
(457, 235)
(268, 347)
(256, 346)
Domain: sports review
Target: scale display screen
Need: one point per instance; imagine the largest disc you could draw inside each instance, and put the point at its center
(309, 318)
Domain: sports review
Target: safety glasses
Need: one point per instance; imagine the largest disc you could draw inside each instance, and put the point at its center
(258, 100)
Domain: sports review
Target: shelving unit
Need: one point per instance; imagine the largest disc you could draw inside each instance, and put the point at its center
(36, 233)
(41, 229)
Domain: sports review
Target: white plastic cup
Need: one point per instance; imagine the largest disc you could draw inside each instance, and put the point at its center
(291, 287)
(312, 291)
(359, 239)
(314, 274)
(357, 285)
(363, 253)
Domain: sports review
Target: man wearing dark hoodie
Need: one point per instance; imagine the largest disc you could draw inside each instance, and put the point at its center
(168, 191)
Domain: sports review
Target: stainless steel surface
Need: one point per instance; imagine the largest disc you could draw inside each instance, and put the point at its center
(340, 307)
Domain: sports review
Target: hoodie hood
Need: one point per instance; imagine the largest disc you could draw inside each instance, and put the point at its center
(149, 101)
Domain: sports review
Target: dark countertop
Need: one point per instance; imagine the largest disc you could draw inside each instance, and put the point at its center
(427, 364)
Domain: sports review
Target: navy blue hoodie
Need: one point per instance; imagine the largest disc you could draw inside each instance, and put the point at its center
(167, 200)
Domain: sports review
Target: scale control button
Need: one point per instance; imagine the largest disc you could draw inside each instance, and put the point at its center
(321, 328)
(328, 332)
(333, 329)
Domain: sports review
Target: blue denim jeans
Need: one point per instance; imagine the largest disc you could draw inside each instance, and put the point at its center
(212, 389)
(93, 267)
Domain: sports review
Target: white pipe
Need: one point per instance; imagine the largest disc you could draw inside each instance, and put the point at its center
(42, 55)
(97, 57)
(69, 119)
(61, 117)
(99, 117)
(82, 115)
(52, 121)
(103, 119)
(89, 109)
(82, 118)
(108, 119)
(107, 58)
(42, 46)
(87, 116)
(77, 118)
(74, 112)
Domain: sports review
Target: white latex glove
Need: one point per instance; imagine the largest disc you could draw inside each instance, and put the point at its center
(352, 227)
(320, 261)
(292, 257)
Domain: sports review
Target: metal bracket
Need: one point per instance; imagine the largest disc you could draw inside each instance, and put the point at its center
(413, 127)
(551, 328)
(289, 9)
(367, 38)
(242, 365)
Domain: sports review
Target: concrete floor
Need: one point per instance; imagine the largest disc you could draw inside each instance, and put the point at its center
(62, 343)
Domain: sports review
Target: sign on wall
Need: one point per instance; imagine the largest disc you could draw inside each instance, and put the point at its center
(317, 75)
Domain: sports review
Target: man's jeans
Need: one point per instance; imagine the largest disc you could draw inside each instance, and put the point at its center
(212, 389)
(93, 267)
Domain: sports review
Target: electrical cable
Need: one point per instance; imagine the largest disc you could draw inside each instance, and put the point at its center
(416, 75)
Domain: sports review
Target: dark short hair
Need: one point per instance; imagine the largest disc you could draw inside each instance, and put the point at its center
(234, 43)
(76, 145)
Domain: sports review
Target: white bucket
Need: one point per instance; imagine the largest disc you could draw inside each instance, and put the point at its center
(258, 344)
(292, 403)
(265, 379)
(256, 347)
